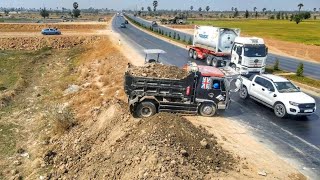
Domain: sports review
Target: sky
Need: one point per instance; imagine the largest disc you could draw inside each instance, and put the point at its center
(215, 5)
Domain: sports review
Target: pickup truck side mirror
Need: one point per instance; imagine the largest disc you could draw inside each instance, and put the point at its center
(271, 90)
(298, 88)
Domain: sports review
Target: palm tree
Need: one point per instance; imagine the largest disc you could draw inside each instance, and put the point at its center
(300, 6)
(314, 9)
(200, 9)
(149, 8)
(155, 4)
(75, 5)
(232, 9)
(254, 9)
(207, 8)
(191, 8)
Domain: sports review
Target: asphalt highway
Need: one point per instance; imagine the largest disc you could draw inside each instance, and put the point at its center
(295, 139)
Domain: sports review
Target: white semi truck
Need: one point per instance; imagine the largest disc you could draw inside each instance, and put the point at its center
(224, 46)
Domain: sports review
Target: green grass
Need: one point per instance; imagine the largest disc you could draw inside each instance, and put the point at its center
(307, 32)
(8, 140)
(304, 80)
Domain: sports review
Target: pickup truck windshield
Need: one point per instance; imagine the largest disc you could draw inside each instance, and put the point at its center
(286, 87)
(258, 50)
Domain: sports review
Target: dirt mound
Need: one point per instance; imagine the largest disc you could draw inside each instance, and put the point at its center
(8, 27)
(36, 43)
(158, 71)
(117, 147)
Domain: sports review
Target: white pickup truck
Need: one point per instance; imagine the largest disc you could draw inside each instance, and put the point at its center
(279, 94)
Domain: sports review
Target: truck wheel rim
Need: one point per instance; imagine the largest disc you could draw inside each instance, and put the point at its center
(207, 110)
(243, 93)
(208, 61)
(280, 110)
(146, 112)
(190, 53)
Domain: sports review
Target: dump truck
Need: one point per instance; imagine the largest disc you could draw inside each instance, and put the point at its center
(205, 90)
(224, 47)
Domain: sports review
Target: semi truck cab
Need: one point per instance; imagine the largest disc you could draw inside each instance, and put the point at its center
(249, 55)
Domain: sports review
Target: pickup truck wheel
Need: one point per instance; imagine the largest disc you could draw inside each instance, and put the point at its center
(195, 55)
(280, 110)
(243, 93)
(146, 109)
(207, 110)
(191, 53)
(209, 61)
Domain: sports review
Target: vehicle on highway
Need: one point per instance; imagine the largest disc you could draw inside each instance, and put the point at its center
(203, 91)
(153, 55)
(224, 46)
(50, 31)
(154, 24)
(279, 94)
(123, 25)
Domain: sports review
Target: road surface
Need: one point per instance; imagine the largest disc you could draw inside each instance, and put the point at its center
(295, 139)
(311, 69)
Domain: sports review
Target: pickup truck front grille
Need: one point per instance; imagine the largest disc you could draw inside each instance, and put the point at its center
(307, 105)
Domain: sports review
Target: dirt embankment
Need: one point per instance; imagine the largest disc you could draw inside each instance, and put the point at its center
(19, 27)
(36, 43)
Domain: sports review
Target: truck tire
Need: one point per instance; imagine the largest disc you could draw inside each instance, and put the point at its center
(207, 109)
(280, 110)
(214, 62)
(191, 53)
(243, 92)
(146, 109)
(209, 60)
(195, 55)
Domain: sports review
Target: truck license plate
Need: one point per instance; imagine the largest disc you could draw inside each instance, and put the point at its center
(308, 110)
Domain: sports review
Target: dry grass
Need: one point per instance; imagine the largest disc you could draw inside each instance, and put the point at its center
(63, 119)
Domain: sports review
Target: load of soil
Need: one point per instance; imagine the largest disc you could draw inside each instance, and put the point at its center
(118, 147)
(158, 71)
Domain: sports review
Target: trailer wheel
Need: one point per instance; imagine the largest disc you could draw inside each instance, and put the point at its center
(146, 109)
(207, 109)
(191, 53)
(195, 55)
(209, 60)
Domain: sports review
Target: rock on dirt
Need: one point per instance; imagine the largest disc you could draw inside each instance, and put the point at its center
(156, 70)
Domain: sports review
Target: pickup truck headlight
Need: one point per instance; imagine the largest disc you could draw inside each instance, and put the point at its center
(293, 103)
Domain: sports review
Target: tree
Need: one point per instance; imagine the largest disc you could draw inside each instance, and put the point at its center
(142, 8)
(236, 12)
(232, 9)
(300, 70)
(247, 14)
(76, 12)
(6, 12)
(278, 15)
(149, 8)
(191, 8)
(200, 9)
(264, 9)
(314, 9)
(306, 15)
(207, 8)
(155, 5)
(75, 5)
(300, 6)
(254, 9)
(297, 18)
(256, 15)
(44, 13)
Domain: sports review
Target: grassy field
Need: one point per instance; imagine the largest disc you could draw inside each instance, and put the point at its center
(307, 32)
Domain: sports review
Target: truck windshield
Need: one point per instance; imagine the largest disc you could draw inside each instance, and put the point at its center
(286, 87)
(255, 50)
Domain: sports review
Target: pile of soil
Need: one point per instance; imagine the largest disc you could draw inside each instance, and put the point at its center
(158, 71)
(115, 146)
(9, 27)
(36, 43)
